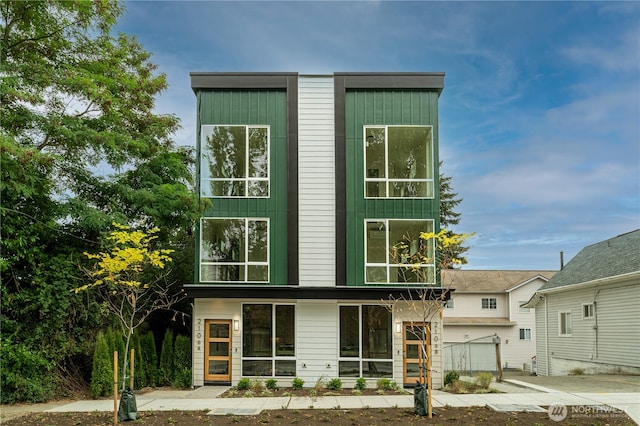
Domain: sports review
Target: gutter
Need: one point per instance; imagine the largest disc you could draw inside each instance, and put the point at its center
(606, 280)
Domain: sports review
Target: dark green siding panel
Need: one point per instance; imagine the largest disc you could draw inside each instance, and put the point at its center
(255, 107)
(380, 107)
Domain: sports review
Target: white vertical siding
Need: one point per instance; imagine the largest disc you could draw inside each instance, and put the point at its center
(316, 181)
(316, 340)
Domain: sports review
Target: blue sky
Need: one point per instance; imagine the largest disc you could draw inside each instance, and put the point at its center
(539, 118)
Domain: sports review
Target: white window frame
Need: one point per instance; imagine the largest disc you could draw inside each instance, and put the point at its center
(204, 182)
(273, 358)
(388, 265)
(246, 263)
(525, 334)
(386, 180)
(588, 310)
(490, 306)
(568, 326)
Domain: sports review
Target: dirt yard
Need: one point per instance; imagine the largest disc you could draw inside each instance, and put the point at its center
(335, 417)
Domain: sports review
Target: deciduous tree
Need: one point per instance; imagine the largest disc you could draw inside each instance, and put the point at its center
(129, 277)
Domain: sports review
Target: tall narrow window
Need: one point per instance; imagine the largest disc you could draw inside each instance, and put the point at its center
(234, 250)
(588, 310)
(395, 253)
(366, 347)
(398, 162)
(564, 324)
(234, 161)
(262, 354)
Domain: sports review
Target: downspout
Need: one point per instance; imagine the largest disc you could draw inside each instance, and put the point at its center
(595, 317)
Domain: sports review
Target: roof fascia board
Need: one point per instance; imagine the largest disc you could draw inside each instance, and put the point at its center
(213, 80)
(432, 80)
(599, 281)
(517, 286)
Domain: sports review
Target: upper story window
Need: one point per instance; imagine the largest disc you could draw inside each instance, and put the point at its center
(489, 303)
(234, 250)
(234, 161)
(395, 253)
(398, 162)
(588, 310)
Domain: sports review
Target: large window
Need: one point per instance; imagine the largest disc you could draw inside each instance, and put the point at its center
(564, 324)
(234, 250)
(234, 161)
(366, 346)
(262, 354)
(395, 253)
(398, 162)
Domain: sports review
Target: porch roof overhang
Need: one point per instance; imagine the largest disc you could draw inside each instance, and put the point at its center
(297, 292)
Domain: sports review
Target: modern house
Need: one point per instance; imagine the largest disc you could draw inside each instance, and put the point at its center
(486, 303)
(588, 314)
(311, 181)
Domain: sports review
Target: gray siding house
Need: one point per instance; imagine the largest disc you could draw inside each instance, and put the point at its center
(588, 314)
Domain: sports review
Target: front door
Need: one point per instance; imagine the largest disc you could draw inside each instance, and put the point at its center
(217, 351)
(414, 343)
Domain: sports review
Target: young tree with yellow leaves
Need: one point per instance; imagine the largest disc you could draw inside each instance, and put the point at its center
(422, 303)
(131, 277)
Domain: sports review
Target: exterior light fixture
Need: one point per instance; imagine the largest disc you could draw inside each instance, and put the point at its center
(398, 327)
(236, 325)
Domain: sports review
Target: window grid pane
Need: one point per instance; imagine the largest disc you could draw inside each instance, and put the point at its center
(234, 161)
(263, 355)
(398, 162)
(234, 250)
(395, 253)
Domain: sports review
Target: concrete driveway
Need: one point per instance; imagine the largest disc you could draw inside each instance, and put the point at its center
(599, 383)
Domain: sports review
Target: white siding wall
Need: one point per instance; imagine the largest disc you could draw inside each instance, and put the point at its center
(514, 352)
(470, 305)
(316, 181)
(542, 327)
(519, 352)
(317, 340)
(615, 341)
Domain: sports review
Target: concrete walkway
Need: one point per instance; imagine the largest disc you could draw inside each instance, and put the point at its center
(518, 393)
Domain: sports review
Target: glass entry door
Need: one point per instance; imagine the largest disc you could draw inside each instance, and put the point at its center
(217, 351)
(415, 337)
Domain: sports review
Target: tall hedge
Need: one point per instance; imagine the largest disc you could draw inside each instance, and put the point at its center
(166, 360)
(102, 371)
(149, 356)
(182, 363)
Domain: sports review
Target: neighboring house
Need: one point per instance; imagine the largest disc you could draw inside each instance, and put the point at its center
(588, 314)
(487, 303)
(310, 182)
